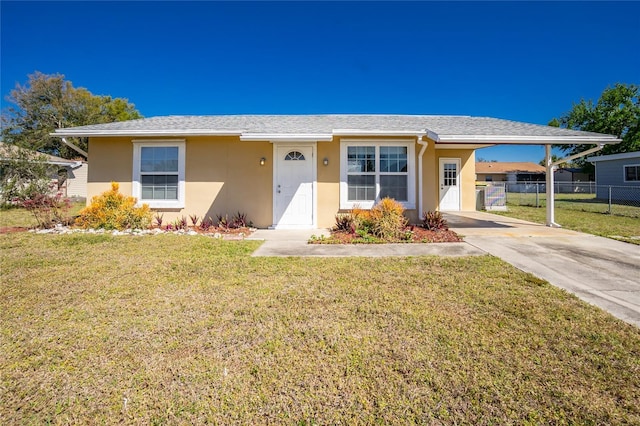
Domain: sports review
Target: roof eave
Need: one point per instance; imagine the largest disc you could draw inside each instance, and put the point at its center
(147, 133)
(357, 132)
(614, 157)
(528, 140)
(286, 137)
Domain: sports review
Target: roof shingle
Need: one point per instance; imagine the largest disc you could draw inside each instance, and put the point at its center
(483, 167)
(442, 125)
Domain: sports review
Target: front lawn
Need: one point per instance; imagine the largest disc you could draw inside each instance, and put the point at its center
(16, 217)
(622, 228)
(174, 329)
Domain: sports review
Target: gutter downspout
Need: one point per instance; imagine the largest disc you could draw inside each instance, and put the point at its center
(420, 177)
(75, 148)
(551, 166)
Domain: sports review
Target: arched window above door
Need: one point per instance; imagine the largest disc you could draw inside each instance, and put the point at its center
(295, 156)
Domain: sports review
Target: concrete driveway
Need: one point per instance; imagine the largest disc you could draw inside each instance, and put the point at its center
(599, 270)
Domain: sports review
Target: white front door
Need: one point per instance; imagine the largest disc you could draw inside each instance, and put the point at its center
(449, 184)
(294, 177)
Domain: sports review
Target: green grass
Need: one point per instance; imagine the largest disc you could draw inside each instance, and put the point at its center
(181, 330)
(575, 202)
(619, 227)
(19, 217)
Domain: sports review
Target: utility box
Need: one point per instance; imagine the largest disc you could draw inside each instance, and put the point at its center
(495, 197)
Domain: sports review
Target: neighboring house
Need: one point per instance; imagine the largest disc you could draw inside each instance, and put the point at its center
(519, 174)
(299, 171)
(509, 172)
(571, 174)
(73, 179)
(69, 176)
(621, 172)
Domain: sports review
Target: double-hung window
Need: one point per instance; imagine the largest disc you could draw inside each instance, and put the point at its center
(158, 173)
(372, 170)
(632, 173)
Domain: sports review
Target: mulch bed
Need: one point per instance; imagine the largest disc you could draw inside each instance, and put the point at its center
(418, 235)
(12, 229)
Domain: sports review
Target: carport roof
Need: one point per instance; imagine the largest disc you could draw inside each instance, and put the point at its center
(440, 128)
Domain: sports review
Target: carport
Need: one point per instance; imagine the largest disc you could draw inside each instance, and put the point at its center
(526, 134)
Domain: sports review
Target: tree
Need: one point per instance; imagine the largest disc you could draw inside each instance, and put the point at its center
(555, 158)
(23, 174)
(617, 112)
(49, 102)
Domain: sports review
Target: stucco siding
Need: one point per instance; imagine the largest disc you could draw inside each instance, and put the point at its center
(494, 177)
(223, 175)
(328, 182)
(467, 175)
(111, 160)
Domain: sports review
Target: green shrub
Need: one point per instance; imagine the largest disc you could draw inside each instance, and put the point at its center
(113, 210)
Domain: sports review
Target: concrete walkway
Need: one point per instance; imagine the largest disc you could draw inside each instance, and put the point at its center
(599, 270)
(294, 243)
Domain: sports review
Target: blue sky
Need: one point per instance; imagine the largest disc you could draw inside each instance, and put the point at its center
(521, 61)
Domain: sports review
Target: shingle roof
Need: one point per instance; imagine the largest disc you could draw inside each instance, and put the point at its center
(483, 167)
(622, 156)
(8, 152)
(446, 127)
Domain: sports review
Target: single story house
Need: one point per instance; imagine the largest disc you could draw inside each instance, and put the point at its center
(618, 176)
(520, 175)
(72, 179)
(68, 176)
(299, 171)
(572, 174)
(509, 172)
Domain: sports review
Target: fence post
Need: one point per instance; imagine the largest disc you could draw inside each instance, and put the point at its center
(609, 199)
(537, 194)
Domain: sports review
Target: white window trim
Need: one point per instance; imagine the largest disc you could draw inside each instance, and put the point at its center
(137, 187)
(411, 172)
(624, 172)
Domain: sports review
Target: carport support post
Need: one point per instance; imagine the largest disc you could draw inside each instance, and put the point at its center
(551, 166)
(549, 178)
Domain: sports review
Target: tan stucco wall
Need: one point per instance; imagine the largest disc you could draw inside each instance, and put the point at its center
(482, 177)
(328, 182)
(110, 160)
(431, 170)
(223, 176)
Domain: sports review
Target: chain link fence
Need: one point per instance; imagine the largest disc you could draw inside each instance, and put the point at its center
(582, 196)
